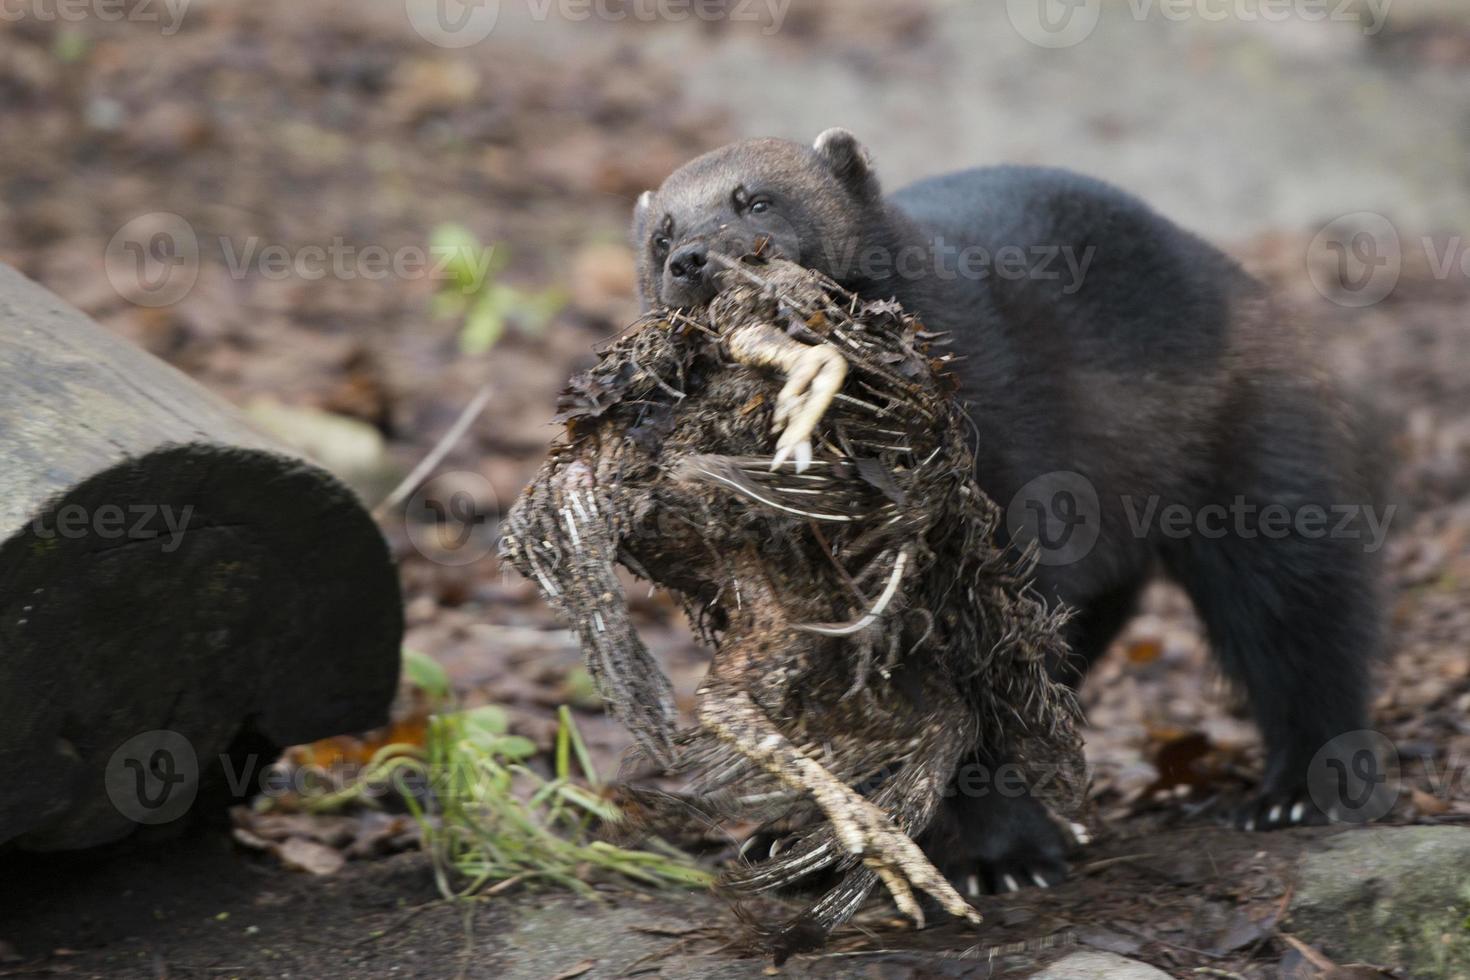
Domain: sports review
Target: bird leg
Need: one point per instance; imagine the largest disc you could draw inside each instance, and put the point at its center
(861, 826)
(814, 375)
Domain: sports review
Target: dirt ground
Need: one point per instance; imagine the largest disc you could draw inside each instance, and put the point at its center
(292, 124)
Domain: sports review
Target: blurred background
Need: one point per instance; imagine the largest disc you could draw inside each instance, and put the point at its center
(267, 195)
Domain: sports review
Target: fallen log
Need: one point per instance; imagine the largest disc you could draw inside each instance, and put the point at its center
(179, 597)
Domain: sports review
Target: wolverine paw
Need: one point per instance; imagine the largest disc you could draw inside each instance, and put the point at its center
(1352, 779)
(1003, 844)
(1278, 811)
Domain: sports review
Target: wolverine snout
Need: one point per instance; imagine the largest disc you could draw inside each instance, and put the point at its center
(690, 263)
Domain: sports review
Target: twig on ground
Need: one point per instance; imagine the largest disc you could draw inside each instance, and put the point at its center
(1311, 955)
(436, 455)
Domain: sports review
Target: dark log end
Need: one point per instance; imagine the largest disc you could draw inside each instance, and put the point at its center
(232, 596)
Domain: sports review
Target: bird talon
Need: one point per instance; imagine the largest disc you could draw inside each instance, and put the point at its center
(899, 862)
(799, 452)
(816, 374)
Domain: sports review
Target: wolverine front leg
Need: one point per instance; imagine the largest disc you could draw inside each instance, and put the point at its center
(861, 827)
(814, 375)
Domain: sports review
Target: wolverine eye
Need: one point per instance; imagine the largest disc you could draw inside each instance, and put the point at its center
(661, 243)
(760, 206)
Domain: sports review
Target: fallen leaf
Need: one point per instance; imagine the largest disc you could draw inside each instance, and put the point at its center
(1144, 651)
(300, 854)
(1429, 804)
(575, 971)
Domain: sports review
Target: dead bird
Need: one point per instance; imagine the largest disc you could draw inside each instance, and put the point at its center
(1124, 373)
(867, 630)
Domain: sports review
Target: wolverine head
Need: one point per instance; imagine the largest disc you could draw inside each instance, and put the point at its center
(770, 197)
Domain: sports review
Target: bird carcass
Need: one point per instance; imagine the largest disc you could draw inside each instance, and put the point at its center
(868, 633)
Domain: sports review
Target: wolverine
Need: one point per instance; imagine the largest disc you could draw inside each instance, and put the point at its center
(1113, 364)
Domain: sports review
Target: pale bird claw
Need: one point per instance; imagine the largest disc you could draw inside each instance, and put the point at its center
(800, 453)
(813, 379)
(814, 375)
(865, 829)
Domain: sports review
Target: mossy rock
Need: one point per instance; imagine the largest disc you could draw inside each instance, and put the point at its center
(1390, 896)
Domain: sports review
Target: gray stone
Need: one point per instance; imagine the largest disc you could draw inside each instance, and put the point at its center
(1093, 965)
(1390, 896)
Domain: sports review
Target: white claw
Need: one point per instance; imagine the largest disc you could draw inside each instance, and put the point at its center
(747, 845)
(1081, 835)
(799, 452)
(1011, 884)
(777, 846)
(1275, 815)
(803, 455)
(972, 886)
(1297, 812)
(1040, 881)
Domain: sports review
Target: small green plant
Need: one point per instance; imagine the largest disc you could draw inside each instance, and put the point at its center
(486, 816)
(498, 820)
(473, 291)
(425, 673)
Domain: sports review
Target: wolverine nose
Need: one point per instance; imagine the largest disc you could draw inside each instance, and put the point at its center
(688, 262)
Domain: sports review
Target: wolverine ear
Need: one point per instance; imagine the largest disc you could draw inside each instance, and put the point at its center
(848, 160)
(641, 211)
(647, 275)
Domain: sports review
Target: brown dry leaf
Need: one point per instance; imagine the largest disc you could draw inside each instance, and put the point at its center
(1145, 650)
(300, 854)
(1429, 804)
(1181, 761)
(343, 749)
(575, 971)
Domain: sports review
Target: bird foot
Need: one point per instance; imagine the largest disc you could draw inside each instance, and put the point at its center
(814, 375)
(865, 830)
(813, 381)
